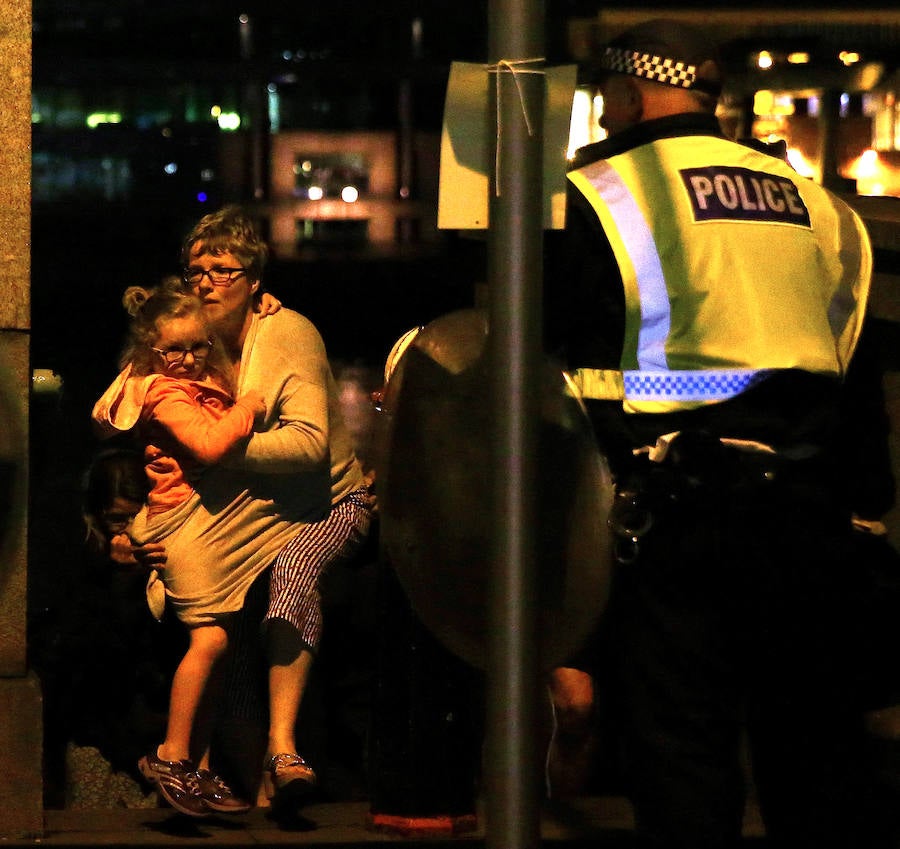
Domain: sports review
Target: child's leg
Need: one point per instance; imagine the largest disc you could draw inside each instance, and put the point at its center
(208, 644)
(180, 767)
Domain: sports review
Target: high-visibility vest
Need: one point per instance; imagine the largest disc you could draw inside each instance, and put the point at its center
(733, 266)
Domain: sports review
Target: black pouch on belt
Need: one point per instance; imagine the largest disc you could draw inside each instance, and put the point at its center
(697, 466)
(643, 497)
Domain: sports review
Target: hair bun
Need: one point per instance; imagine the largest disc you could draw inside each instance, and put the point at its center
(134, 299)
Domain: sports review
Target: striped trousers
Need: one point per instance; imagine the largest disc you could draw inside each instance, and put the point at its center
(294, 596)
(294, 580)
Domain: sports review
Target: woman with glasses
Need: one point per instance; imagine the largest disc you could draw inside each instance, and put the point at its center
(297, 471)
(185, 418)
(303, 458)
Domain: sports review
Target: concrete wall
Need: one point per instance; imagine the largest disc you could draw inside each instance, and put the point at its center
(20, 702)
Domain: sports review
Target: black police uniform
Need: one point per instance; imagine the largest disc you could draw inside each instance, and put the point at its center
(728, 618)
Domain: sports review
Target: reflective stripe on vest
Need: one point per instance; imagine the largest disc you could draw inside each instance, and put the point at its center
(638, 260)
(700, 385)
(732, 266)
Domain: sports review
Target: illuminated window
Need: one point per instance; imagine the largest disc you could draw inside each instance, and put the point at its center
(96, 118)
(228, 120)
(274, 105)
(325, 176)
(845, 105)
(63, 176)
(886, 122)
(768, 104)
(584, 125)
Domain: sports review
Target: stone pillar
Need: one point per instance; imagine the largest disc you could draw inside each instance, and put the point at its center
(21, 809)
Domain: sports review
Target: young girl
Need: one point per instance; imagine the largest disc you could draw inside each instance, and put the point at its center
(185, 418)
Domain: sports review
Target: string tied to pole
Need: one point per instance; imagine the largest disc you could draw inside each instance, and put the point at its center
(516, 67)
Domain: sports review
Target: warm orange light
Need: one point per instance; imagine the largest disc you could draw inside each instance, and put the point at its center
(867, 163)
(873, 176)
(763, 102)
(800, 163)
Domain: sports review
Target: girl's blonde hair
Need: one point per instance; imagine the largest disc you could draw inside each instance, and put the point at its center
(149, 307)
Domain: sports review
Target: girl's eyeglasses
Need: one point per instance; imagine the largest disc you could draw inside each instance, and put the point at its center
(173, 356)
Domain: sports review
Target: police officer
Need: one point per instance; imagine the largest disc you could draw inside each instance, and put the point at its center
(707, 302)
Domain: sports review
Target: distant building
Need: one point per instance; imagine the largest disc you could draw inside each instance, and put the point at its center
(342, 149)
(824, 82)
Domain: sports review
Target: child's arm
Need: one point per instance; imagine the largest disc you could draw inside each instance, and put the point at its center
(150, 555)
(173, 405)
(268, 304)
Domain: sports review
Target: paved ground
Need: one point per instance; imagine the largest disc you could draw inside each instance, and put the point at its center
(599, 822)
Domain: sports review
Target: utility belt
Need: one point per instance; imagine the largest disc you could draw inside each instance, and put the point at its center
(690, 470)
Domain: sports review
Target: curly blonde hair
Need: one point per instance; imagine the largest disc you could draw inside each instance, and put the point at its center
(149, 307)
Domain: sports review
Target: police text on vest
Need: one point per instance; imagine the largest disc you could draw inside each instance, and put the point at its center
(722, 192)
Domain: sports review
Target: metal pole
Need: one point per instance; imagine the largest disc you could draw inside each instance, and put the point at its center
(512, 777)
(407, 157)
(257, 112)
(829, 121)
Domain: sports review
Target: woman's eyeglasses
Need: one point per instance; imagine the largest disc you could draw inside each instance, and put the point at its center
(218, 275)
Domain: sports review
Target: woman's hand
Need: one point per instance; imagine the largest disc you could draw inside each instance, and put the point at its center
(371, 498)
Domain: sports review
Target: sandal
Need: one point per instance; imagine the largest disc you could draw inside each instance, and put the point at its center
(288, 776)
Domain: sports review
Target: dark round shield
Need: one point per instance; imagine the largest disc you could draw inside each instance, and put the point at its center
(435, 485)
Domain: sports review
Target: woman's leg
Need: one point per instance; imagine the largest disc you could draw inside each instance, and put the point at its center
(290, 661)
(294, 622)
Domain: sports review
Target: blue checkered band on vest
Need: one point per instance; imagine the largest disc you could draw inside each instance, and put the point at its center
(650, 67)
(688, 385)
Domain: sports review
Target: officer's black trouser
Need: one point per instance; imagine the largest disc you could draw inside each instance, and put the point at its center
(734, 616)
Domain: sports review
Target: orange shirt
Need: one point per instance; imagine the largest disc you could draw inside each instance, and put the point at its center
(185, 426)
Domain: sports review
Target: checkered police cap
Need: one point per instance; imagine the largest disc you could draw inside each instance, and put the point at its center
(667, 52)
